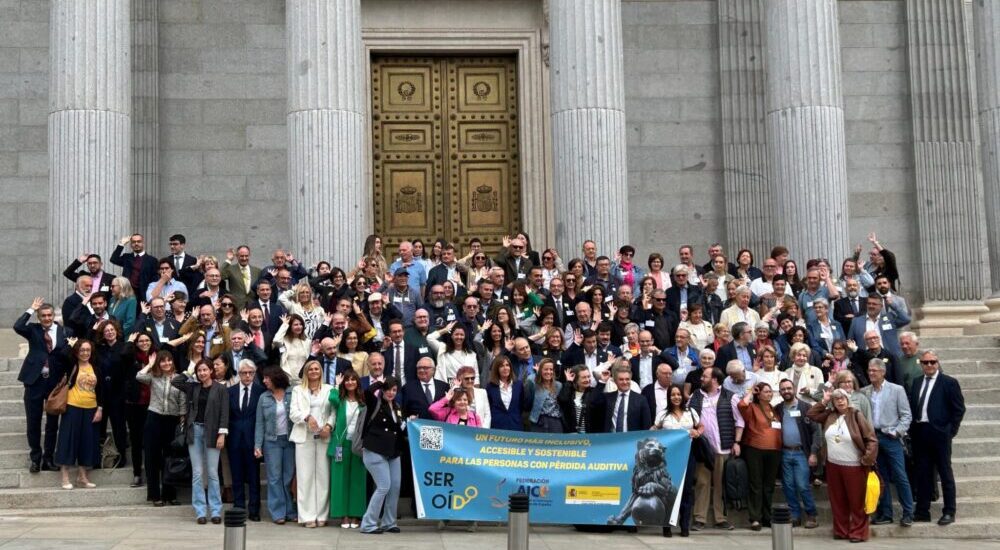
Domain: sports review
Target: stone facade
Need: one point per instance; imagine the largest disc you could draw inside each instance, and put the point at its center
(222, 115)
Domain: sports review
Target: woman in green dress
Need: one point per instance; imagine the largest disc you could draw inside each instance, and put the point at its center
(347, 471)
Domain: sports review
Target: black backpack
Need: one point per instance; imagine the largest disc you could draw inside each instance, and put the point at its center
(736, 484)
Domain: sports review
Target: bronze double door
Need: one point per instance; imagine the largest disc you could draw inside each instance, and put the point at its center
(445, 149)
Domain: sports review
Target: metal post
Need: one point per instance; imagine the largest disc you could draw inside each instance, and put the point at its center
(517, 522)
(781, 528)
(235, 521)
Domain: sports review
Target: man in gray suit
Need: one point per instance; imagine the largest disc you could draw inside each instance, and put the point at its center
(891, 419)
(240, 276)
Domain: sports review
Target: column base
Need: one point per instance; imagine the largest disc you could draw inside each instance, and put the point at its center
(948, 318)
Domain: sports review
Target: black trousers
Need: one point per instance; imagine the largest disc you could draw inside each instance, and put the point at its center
(135, 418)
(34, 412)
(932, 451)
(114, 413)
(157, 435)
(763, 467)
(687, 497)
(246, 471)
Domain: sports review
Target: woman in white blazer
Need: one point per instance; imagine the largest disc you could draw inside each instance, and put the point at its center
(294, 346)
(453, 346)
(313, 420)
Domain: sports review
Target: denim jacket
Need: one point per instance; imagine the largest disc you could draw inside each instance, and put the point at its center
(537, 396)
(267, 412)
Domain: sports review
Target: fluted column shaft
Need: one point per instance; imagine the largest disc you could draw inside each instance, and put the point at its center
(146, 121)
(89, 130)
(805, 128)
(744, 135)
(987, 16)
(946, 151)
(590, 187)
(329, 203)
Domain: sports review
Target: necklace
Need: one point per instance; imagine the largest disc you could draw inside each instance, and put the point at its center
(840, 429)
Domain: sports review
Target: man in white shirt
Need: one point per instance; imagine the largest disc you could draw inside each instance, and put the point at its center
(657, 392)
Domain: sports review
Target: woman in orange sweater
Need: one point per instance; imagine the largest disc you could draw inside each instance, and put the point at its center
(762, 451)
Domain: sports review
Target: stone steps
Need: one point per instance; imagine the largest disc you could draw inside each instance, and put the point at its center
(974, 447)
(958, 367)
(56, 497)
(978, 354)
(982, 412)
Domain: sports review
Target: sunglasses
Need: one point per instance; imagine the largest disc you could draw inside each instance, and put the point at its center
(469, 379)
(547, 258)
(227, 305)
(928, 362)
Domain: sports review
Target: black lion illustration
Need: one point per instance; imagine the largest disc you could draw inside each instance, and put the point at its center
(653, 493)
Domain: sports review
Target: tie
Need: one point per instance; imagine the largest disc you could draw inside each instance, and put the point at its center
(427, 392)
(398, 359)
(246, 278)
(267, 314)
(620, 415)
(923, 399)
(246, 398)
(854, 305)
(48, 350)
(178, 263)
(258, 339)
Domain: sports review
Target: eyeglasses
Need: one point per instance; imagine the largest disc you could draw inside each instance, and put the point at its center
(469, 379)
(227, 304)
(931, 362)
(659, 299)
(547, 258)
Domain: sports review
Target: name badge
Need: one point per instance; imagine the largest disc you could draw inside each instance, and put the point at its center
(886, 326)
(397, 299)
(569, 312)
(795, 413)
(776, 425)
(451, 316)
(520, 275)
(422, 350)
(105, 288)
(650, 323)
(216, 341)
(608, 298)
(809, 304)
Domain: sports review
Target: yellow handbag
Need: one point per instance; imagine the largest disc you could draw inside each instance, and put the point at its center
(872, 492)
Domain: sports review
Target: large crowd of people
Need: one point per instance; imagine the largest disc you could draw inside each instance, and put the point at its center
(807, 375)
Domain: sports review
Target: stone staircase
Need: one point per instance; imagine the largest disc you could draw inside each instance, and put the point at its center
(973, 360)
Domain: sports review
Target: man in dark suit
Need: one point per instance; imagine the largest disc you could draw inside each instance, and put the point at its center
(851, 305)
(657, 394)
(267, 302)
(586, 353)
(183, 263)
(93, 310)
(240, 442)
(521, 361)
(938, 408)
(447, 270)
(625, 410)
(739, 348)
(138, 267)
(885, 321)
(682, 292)
(244, 348)
(38, 374)
(421, 392)
(100, 279)
(645, 364)
(512, 259)
(153, 320)
(873, 350)
(659, 320)
(240, 276)
(400, 356)
(325, 351)
(74, 300)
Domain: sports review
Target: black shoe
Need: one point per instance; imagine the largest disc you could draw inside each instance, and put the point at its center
(882, 521)
(755, 526)
(766, 523)
(202, 521)
(35, 468)
(667, 533)
(49, 466)
(375, 532)
(136, 481)
(920, 518)
(254, 517)
(631, 529)
(946, 519)
(392, 530)
(907, 521)
(216, 520)
(174, 502)
(685, 532)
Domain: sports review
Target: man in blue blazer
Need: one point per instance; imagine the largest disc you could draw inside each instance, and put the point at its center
(139, 268)
(938, 408)
(38, 374)
(243, 399)
(624, 409)
(886, 321)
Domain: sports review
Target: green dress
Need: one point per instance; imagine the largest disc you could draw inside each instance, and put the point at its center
(348, 475)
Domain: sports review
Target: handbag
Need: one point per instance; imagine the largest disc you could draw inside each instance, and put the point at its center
(58, 398)
(357, 440)
(702, 450)
(177, 470)
(179, 442)
(873, 490)
(109, 454)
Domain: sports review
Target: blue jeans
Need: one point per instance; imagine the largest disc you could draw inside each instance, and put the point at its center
(203, 459)
(795, 483)
(279, 461)
(892, 466)
(386, 475)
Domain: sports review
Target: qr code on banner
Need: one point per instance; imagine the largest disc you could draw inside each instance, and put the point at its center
(431, 438)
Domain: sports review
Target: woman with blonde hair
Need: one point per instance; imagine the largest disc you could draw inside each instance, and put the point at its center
(122, 305)
(303, 306)
(541, 397)
(312, 424)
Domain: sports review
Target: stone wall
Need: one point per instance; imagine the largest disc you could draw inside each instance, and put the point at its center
(223, 134)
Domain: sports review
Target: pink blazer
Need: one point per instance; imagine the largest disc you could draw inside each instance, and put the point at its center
(441, 411)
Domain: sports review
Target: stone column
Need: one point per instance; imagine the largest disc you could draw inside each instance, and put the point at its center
(744, 134)
(805, 128)
(987, 16)
(90, 98)
(329, 202)
(590, 188)
(146, 122)
(950, 208)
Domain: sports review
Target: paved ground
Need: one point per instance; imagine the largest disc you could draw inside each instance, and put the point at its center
(175, 534)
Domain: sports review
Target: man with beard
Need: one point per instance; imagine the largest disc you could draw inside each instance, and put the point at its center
(440, 310)
(850, 306)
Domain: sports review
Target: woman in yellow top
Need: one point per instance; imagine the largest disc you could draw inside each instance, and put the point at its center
(78, 440)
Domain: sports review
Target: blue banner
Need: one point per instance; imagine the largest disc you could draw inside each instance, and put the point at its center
(462, 473)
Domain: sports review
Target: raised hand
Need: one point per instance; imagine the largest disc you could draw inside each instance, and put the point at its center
(284, 318)
(144, 307)
(505, 241)
(508, 343)
(82, 258)
(338, 379)
(132, 337)
(123, 241)
(37, 302)
(872, 238)
(569, 374)
(245, 314)
(314, 347)
(230, 255)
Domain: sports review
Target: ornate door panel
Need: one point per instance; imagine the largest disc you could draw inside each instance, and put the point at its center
(445, 148)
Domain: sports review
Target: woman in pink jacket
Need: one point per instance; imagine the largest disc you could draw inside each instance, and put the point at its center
(454, 408)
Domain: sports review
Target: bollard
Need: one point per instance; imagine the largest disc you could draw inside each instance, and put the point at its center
(235, 521)
(517, 522)
(781, 528)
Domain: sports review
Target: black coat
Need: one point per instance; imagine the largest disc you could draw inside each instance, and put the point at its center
(593, 409)
(411, 354)
(415, 402)
(657, 360)
(242, 422)
(72, 274)
(38, 355)
(674, 298)
(844, 313)
(662, 325)
(637, 415)
(171, 329)
(148, 268)
(945, 404)
(383, 434)
(728, 352)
